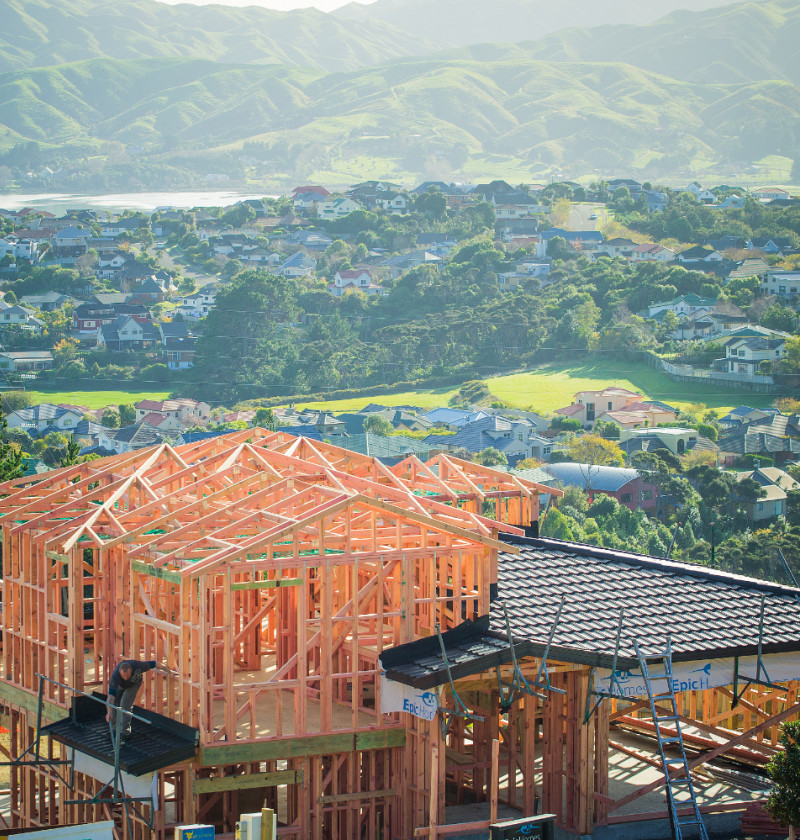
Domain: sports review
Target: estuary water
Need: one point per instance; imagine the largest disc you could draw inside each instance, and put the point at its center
(147, 202)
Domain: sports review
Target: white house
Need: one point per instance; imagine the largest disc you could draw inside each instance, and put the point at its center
(43, 416)
(355, 278)
(784, 283)
(652, 252)
(618, 247)
(745, 355)
(337, 208)
(684, 305)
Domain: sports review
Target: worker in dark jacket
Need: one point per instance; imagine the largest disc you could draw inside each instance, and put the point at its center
(126, 680)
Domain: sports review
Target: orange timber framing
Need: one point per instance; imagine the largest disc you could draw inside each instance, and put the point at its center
(270, 572)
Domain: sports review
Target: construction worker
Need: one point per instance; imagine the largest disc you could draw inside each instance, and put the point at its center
(126, 680)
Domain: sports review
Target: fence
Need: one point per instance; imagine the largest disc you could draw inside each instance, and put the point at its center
(753, 382)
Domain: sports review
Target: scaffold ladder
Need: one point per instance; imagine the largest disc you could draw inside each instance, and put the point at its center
(680, 789)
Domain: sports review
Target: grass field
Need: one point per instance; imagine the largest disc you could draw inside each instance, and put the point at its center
(96, 399)
(553, 386)
(544, 389)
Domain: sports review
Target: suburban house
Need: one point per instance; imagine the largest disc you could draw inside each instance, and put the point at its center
(198, 305)
(745, 414)
(775, 437)
(46, 302)
(88, 317)
(515, 438)
(68, 244)
(126, 333)
(732, 202)
(634, 187)
(179, 353)
(181, 409)
(770, 194)
(677, 441)
(44, 416)
(587, 406)
(337, 208)
(699, 253)
(392, 202)
(581, 240)
(401, 263)
(354, 278)
(122, 227)
(778, 245)
(688, 305)
(16, 248)
(134, 436)
(14, 315)
(25, 361)
(651, 251)
(315, 240)
(626, 485)
(638, 414)
(298, 265)
(784, 283)
(617, 247)
(748, 355)
(656, 201)
(776, 484)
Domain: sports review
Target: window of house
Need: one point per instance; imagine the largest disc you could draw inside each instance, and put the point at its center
(590, 411)
(610, 405)
(626, 498)
(647, 494)
(759, 505)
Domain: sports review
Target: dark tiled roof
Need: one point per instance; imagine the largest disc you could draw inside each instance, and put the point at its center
(705, 612)
(150, 747)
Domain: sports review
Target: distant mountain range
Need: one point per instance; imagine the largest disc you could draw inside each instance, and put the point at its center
(464, 22)
(721, 84)
(36, 33)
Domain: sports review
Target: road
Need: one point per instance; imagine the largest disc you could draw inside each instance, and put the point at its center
(166, 261)
(579, 214)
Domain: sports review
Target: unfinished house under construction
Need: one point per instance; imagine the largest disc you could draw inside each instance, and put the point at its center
(373, 651)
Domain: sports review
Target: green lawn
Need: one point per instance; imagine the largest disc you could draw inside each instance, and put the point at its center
(553, 386)
(96, 399)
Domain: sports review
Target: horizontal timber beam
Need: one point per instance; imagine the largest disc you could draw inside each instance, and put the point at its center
(250, 780)
(155, 571)
(29, 701)
(268, 584)
(275, 749)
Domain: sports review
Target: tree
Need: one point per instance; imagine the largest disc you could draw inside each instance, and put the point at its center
(127, 414)
(784, 770)
(377, 424)
(560, 423)
(11, 465)
(14, 401)
(72, 453)
(433, 203)
(559, 249)
(594, 450)
(264, 418)
(239, 215)
(110, 418)
(491, 457)
(556, 526)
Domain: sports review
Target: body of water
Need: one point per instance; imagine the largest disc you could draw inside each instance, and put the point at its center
(59, 203)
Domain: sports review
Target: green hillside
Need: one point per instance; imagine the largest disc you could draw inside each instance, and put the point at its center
(592, 115)
(38, 33)
(695, 89)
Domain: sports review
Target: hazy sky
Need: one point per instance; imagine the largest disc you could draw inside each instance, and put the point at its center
(282, 5)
